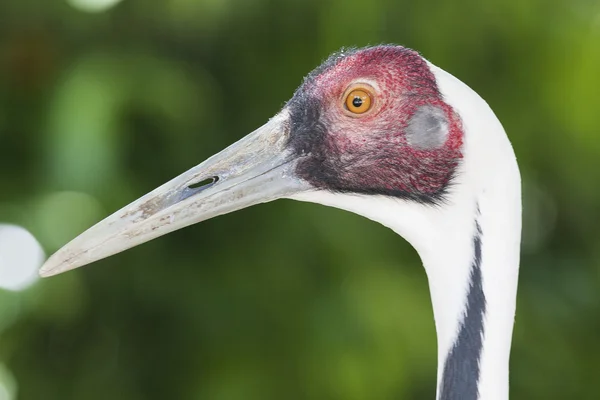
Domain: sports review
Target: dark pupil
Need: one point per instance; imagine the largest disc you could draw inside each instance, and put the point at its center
(357, 102)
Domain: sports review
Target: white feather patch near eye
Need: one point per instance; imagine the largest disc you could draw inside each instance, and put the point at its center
(427, 128)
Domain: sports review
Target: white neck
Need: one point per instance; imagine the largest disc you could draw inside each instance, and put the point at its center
(491, 179)
(487, 193)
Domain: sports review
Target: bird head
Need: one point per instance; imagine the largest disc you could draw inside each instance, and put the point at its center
(367, 122)
(373, 121)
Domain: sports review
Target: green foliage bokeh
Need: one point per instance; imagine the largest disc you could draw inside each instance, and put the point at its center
(285, 300)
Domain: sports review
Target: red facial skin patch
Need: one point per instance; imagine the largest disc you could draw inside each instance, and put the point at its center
(370, 153)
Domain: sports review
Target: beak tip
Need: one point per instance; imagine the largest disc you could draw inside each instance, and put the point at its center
(44, 273)
(54, 266)
(49, 269)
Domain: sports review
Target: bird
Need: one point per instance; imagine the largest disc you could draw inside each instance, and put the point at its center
(381, 132)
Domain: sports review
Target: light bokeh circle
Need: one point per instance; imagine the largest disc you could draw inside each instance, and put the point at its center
(21, 255)
(93, 6)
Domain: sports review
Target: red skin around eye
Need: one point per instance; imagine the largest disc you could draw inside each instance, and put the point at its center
(371, 152)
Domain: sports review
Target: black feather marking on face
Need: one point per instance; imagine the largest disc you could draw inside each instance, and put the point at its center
(460, 379)
(307, 130)
(409, 150)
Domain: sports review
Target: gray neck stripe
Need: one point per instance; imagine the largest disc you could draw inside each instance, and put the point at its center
(461, 369)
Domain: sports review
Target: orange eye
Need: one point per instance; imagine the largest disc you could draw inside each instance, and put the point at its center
(358, 101)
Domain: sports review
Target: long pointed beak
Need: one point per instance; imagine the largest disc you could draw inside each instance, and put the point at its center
(257, 169)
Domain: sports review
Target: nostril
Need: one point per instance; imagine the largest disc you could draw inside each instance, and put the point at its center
(197, 187)
(206, 182)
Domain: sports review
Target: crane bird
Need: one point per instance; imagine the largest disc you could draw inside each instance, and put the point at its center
(383, 133)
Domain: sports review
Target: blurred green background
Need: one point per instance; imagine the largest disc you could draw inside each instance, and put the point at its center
(103, 100)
